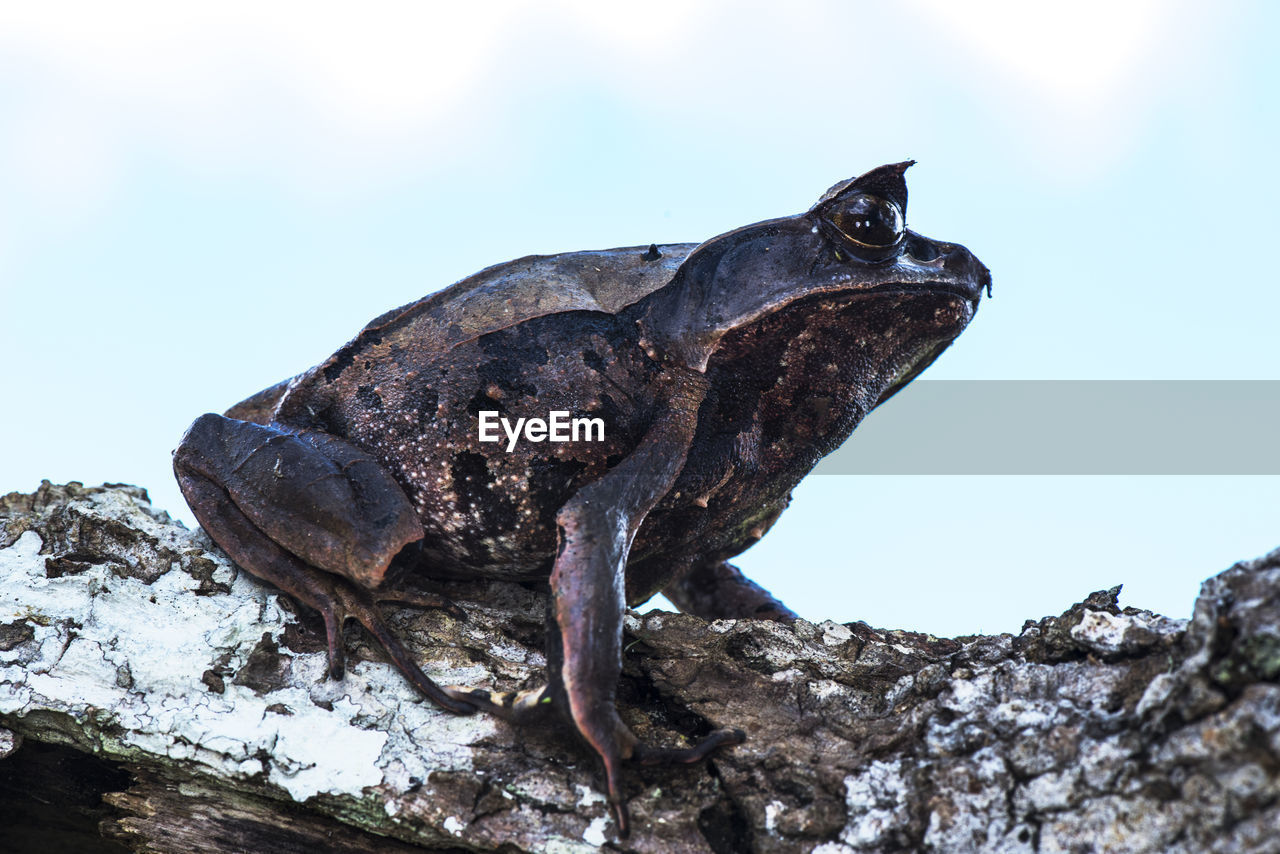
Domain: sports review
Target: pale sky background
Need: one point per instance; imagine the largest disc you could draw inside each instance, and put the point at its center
(198, 201)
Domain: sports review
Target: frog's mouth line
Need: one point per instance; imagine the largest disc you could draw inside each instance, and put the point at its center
(968, 291)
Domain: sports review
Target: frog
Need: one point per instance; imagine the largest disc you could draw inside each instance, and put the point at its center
(720, 372)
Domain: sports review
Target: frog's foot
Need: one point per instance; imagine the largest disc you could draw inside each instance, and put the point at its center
(644, 754)
(618, 744)
(421, 599)
(523, 707)
(361, 606)
(314, 516)
(719, 591)
(518, 707)
(351, 603)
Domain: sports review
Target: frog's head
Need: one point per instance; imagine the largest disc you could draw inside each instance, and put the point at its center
(847, 274)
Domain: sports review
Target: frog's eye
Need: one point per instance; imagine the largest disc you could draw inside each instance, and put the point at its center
(868, 220)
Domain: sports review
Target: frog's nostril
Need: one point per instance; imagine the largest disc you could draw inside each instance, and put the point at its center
(962, 263)
(923, 250)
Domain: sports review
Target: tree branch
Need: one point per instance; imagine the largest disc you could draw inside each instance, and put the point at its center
(165, 701)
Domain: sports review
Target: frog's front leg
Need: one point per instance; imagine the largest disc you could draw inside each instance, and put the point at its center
(587, 587)
(311, 514)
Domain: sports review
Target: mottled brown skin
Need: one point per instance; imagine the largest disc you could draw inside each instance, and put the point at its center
(723, 373)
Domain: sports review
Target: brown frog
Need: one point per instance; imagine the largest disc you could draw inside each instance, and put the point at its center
(715, 377)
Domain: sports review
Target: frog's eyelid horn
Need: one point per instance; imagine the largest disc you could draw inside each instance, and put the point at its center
(885, 181)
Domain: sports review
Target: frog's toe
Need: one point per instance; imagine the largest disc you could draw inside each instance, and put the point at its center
(645, 754)
(517, 707)
(359, 605)
(333, 642)
(423, 599)
(617, 801)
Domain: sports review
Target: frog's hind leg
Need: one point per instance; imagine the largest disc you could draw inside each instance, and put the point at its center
(717, 590)
(312, 515)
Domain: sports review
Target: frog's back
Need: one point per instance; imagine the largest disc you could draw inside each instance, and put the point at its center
(605, 280)
(498, 297)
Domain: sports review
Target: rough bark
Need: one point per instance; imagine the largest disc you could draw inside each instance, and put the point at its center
(155, 698)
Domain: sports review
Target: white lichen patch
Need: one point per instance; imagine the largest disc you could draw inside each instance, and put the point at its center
(305, 762)
(965, 695)
(509, 652)
(588, 796)
(975, 807)
(834, 634)
(559, 845)
(133, 663)
(594, 834)
(1021, 713)
(1102, 631)
(824, 689)
(1111, 634)
(772, 810)
(876, 798)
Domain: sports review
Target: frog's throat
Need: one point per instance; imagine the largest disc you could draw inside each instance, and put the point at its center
(910, 369)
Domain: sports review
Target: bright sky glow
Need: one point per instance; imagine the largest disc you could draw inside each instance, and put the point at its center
(198, 200)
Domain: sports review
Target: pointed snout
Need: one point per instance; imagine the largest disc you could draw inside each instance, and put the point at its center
(955, 261)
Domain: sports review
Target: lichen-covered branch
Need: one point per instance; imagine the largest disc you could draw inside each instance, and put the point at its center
(188, 708)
